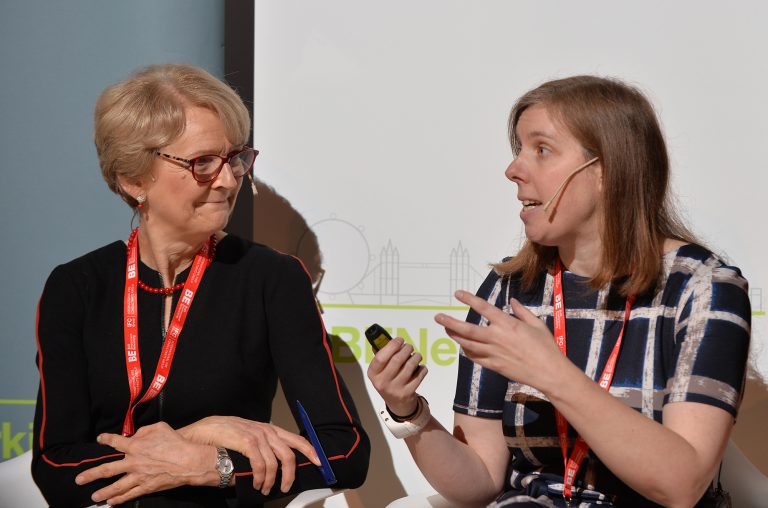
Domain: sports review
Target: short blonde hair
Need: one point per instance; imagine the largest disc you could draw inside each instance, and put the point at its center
(136, 117)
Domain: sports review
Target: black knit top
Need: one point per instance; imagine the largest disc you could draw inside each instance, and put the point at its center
(253, 321)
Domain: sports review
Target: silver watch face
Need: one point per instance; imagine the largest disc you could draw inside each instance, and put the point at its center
(225, 466)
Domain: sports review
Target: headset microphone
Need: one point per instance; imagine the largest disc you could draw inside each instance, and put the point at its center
(254, 190)
(568, 179)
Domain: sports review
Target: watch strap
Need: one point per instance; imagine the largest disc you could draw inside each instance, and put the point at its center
(224, 466)
(409, 427)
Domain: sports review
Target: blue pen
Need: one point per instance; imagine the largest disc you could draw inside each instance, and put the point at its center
(325, 466)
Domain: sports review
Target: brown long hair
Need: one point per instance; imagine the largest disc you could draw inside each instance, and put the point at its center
(615, 122)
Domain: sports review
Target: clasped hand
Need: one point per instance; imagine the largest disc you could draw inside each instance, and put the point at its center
(158, 457)
(517, 346)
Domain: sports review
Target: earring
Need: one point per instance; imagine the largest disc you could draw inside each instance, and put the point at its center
(141, 198)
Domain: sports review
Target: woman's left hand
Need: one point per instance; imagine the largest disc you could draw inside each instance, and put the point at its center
(156, 458)
(518, 346)
(268, 447)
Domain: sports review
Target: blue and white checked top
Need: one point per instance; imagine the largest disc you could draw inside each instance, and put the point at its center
(687, 340)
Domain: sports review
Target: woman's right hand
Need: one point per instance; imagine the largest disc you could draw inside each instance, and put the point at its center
(396, 374)
(264, 444)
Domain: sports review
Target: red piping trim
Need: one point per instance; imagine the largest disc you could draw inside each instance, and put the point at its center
(333, 367)
(45, 411)
(73, 464)
(335, 379)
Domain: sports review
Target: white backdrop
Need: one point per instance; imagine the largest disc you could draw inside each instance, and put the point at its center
(384, 125)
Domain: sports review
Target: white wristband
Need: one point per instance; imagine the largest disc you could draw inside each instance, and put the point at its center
(408, 428)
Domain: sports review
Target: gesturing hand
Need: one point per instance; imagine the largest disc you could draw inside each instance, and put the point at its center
(519, 346)
(264, 444)
(156, 458)
(395, 373)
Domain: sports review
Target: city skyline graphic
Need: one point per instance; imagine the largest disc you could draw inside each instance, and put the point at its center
(355, 276)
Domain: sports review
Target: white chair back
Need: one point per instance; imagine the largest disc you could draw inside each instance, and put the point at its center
(745, 483)
(17, 488)
(320, 498)
(421, 501)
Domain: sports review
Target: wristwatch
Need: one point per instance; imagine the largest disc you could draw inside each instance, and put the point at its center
(224, 466)
(410, 425)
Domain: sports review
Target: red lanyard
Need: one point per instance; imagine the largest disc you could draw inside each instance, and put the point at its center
(131, 325)
(580, 448)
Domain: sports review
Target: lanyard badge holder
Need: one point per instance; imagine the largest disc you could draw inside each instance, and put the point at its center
(573, 463)
(325, 466)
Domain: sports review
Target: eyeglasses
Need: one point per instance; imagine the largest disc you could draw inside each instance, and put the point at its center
(206, 168)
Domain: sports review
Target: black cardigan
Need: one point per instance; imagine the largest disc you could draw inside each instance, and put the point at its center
(253, 321)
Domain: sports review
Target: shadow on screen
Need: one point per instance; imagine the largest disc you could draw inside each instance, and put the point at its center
(278, 225)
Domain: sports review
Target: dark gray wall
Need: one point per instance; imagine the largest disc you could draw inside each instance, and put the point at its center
(55, 58)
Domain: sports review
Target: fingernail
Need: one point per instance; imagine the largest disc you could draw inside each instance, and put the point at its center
(79, 480)
(99, 439)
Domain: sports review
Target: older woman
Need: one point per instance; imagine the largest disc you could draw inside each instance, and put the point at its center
(603, 364)
(159, 356)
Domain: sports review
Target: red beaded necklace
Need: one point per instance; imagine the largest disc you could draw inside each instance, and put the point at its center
(169, 290)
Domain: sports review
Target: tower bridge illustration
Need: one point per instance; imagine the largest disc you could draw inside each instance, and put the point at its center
(397, 282)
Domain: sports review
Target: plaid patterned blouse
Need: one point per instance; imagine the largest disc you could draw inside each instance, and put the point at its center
(686, 341)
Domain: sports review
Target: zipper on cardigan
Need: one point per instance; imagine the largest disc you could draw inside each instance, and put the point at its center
(163, 332)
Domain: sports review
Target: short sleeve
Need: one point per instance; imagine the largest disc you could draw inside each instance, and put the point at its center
(711, 342)
(481, 391)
